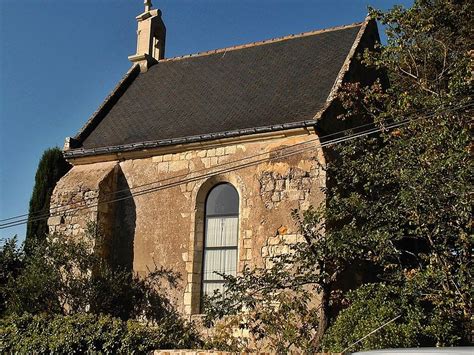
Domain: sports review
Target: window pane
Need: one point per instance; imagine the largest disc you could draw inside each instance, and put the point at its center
(221, 231)
(230, 227)
(223, 200)
(230, 267)
(209, 288)
(214, 261)
(223, 261)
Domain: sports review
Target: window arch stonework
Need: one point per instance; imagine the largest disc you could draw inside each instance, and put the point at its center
(195, 255)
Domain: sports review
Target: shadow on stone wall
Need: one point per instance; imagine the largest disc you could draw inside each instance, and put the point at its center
(124, 224)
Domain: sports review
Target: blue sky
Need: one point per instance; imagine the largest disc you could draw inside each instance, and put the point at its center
(60, 59)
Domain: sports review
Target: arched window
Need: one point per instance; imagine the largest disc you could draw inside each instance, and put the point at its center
(221, 237)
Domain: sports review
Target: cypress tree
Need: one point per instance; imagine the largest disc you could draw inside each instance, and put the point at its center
(51, 168)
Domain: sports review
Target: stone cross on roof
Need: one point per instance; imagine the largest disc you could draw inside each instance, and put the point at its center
(148, 5)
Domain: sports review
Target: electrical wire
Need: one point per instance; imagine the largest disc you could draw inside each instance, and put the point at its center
(320, 138)
(62, 210)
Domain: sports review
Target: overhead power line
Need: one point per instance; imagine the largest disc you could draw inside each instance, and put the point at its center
(186, 174)
(43, 212)
(286, 151)
(62, 210)
(413, 113)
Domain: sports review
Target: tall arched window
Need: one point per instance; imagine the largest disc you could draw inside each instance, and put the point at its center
(221, 237)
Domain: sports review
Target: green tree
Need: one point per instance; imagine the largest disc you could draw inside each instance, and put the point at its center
(11, 265)
(61, 275)
(397, 204)
(63, 284)
(51, 168)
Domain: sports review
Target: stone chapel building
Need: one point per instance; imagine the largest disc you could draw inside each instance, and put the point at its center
(194, 163)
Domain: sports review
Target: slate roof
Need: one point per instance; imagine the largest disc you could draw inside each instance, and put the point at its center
(277, 84)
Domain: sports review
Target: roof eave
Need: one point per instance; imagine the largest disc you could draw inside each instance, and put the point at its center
(87, 152)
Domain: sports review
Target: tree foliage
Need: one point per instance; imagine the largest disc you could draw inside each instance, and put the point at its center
(400, 317)
(64, 282)
(11, 265)
(51, 168)
(398, 211)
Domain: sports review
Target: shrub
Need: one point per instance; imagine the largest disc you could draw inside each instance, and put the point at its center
(373, 305)
(71, 301)
(86, 333)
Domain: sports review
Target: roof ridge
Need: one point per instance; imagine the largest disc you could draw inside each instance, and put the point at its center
(259, 43)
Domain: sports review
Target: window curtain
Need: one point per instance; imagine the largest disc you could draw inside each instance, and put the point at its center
(220, 253)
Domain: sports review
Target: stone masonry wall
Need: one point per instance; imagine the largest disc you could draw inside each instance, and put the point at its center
(77, 201)
(166, 226)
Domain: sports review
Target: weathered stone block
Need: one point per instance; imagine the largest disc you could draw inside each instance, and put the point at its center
(279, 250)
(306, 183)
(293, 195)
(230, 149)
(290, 239)
(189, 266)
(268, 185)
(248, 254)
(163, 167)
(300, 239)
(302, 195)
(55, 220)
(188, 298)
(206, 162)
(248, 243)
(274, 240)
(178, 165)
(279, 185)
